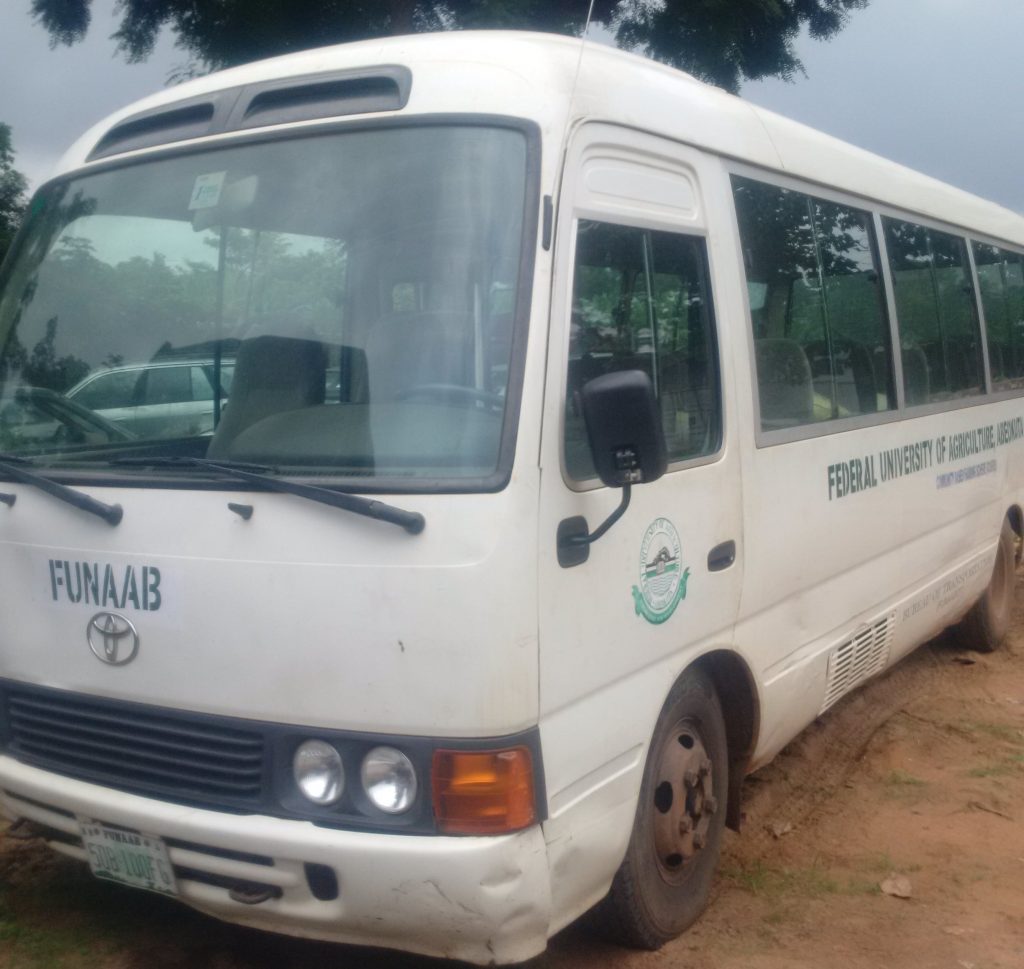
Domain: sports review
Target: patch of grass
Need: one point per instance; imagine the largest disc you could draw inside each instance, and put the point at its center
(902, 785)
(883, 863)
(810, 882)
(777, 916)
(57, 916)
(1000, 731)
(1001, 768)
(901, 778)
(753, 878)
(776, 884)
(880, 863)
(28, 945)
(862, 886)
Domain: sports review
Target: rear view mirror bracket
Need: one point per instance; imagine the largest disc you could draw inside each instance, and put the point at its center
(575, 537)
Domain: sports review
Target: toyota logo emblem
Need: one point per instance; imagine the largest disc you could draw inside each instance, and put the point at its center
(112, 638)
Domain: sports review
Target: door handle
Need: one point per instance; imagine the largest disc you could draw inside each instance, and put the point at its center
(722, 556)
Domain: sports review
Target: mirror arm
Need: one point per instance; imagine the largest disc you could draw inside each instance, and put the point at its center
(601, 529)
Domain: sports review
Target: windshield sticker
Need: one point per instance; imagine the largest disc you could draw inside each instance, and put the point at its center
(662, 575)
(206, 191)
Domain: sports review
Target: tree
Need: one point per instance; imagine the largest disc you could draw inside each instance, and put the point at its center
(720, 41)
(12, 192)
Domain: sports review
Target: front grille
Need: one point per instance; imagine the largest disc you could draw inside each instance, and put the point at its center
(187, 758)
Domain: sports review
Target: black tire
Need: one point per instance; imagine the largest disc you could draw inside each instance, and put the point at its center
(665, 879)
(985, 627)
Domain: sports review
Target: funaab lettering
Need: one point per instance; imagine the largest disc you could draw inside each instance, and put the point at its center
(106, 586)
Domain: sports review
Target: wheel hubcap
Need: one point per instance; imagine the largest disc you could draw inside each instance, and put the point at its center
(684, 800)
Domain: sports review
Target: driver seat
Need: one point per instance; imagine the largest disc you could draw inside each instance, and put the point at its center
(272, 374)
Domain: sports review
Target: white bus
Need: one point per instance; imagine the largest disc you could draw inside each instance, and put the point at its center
(589, 433)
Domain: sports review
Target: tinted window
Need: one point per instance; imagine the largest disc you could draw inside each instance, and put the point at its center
(109, 390)
(935, 309)
(202, 388)
(1001, 278)
(168, 385)
(640, 302)
(821, 334)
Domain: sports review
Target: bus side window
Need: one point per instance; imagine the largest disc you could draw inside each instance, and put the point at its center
(641, 302)
(821, 333)
(936, 312)
(1001, 279)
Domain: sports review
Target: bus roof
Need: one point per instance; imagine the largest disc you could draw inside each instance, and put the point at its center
(557, 81)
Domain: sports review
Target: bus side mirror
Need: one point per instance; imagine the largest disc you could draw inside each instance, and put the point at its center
(627, 443)
(624, 428)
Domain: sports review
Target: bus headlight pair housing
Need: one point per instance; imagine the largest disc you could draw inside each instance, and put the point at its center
(388, 776)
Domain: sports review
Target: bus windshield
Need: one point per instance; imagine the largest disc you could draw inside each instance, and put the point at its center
(334, 305)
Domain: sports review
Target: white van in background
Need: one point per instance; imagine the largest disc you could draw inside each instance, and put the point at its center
(590, 432)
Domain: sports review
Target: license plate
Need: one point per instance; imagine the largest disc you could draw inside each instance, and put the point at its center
(139, 860)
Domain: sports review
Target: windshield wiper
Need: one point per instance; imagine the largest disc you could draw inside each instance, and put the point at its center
(412, 521)
(11, 465)
(185, 461)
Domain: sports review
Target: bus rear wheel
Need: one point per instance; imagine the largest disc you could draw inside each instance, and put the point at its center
(665, 879)
(985, 627)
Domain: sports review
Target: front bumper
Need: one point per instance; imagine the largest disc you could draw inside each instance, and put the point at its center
(483, 900)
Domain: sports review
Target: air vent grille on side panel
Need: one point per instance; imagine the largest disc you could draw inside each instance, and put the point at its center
(859, 658)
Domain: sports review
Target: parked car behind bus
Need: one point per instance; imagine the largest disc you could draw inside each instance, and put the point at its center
(172, 399)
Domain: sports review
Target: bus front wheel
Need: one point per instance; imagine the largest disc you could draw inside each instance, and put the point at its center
(665, 879)
(986, 625)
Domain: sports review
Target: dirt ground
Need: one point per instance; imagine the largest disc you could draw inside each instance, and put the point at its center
(916, 781)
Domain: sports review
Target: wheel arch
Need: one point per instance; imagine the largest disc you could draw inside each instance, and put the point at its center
(737, 693)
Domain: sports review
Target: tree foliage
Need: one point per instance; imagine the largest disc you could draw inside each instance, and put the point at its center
(79, 308)
(721, 41)
(12, 192)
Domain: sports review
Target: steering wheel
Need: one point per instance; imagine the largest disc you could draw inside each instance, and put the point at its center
(453, 394)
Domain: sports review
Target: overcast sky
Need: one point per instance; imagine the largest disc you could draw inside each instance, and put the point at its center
(934, 84)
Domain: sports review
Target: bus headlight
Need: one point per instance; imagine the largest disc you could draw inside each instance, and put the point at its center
(318, 772)
(389, 779)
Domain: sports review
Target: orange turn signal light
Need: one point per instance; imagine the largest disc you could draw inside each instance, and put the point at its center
(483, 791)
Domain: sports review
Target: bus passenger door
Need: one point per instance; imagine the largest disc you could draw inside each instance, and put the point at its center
(633, 290)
